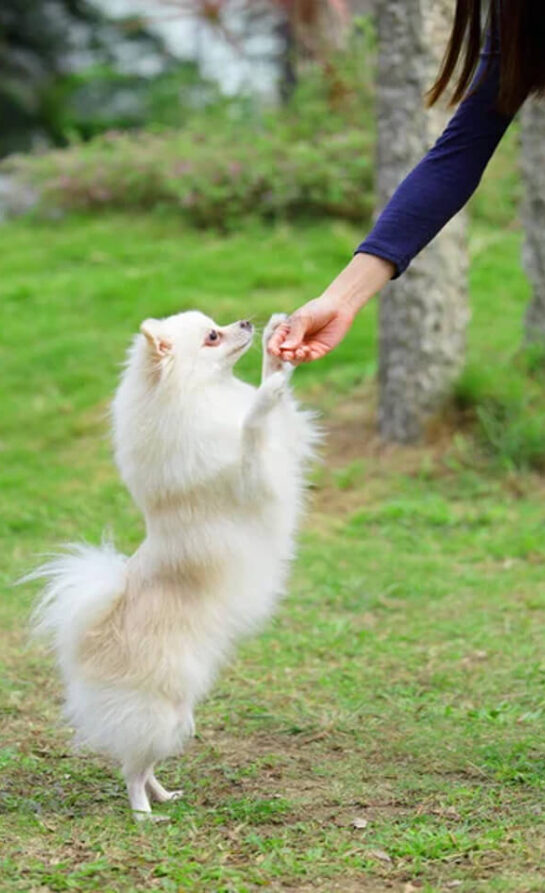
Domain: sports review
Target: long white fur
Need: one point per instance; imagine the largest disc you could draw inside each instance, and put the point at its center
(216, 466)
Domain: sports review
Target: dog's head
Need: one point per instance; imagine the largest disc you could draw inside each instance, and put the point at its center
(191, 347)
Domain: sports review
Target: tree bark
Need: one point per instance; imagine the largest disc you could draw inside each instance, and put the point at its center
(533, 167)
(424, 314)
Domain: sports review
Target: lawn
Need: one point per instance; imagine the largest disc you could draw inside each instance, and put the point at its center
(386, 731)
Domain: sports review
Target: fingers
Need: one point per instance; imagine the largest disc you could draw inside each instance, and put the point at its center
(303, 354)
(306, 354)
(295, 356)
(297, 331)
(277, 338)
(276, 347)
(287, 342)
(290, 340)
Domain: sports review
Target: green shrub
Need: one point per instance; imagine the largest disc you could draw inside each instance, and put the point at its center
(65, 62)
(211, 181)
(508, 408)
(101, 98)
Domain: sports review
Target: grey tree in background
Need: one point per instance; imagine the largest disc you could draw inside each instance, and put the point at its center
(533, 166)
(424, 315)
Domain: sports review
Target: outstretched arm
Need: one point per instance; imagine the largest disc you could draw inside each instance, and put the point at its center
(425, 201)
(443, 182)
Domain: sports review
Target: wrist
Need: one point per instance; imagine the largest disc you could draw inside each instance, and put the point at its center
(361, 279)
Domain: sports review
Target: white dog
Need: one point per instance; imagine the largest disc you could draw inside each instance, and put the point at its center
(216, 466)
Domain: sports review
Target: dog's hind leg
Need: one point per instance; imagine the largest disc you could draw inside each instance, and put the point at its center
(158, 792)
(136, 781)
(183, 729)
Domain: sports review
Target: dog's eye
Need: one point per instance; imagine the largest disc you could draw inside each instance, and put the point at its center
(213, 338)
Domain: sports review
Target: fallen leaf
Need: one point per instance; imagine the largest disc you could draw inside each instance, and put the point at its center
(447, 812)
(474, 657)
(381, 855)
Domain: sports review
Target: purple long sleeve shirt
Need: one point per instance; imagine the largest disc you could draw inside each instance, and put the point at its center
(442, 183)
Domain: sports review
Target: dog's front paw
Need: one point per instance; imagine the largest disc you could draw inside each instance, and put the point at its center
(272, 363)
(276, 320)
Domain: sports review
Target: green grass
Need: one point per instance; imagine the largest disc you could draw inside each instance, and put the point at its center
(403, 681)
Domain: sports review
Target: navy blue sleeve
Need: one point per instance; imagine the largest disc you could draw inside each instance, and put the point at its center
(447, 176)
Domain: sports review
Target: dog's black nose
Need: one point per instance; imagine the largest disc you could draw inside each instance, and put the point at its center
(246, 324)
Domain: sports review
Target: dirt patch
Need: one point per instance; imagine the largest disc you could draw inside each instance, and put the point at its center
(313, 778)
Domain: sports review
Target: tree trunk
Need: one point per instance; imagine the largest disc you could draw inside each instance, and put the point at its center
(423, 315)
(533, 166)
(288, 68)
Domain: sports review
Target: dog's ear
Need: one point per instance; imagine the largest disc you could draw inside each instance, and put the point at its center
(159, 343)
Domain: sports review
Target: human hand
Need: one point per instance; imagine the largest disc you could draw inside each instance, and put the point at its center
(312, 331)
(319, 326)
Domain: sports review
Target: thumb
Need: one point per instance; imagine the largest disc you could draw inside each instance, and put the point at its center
(298, 327)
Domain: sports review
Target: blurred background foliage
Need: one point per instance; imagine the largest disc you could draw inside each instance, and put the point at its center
(68, 70)
(163, 135)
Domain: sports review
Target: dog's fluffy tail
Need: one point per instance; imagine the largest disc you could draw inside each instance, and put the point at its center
(81, 584)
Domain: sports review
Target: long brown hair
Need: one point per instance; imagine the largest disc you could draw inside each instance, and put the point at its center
(520, 26)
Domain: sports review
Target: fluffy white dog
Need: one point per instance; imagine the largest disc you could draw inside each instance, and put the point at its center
(216, 466)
